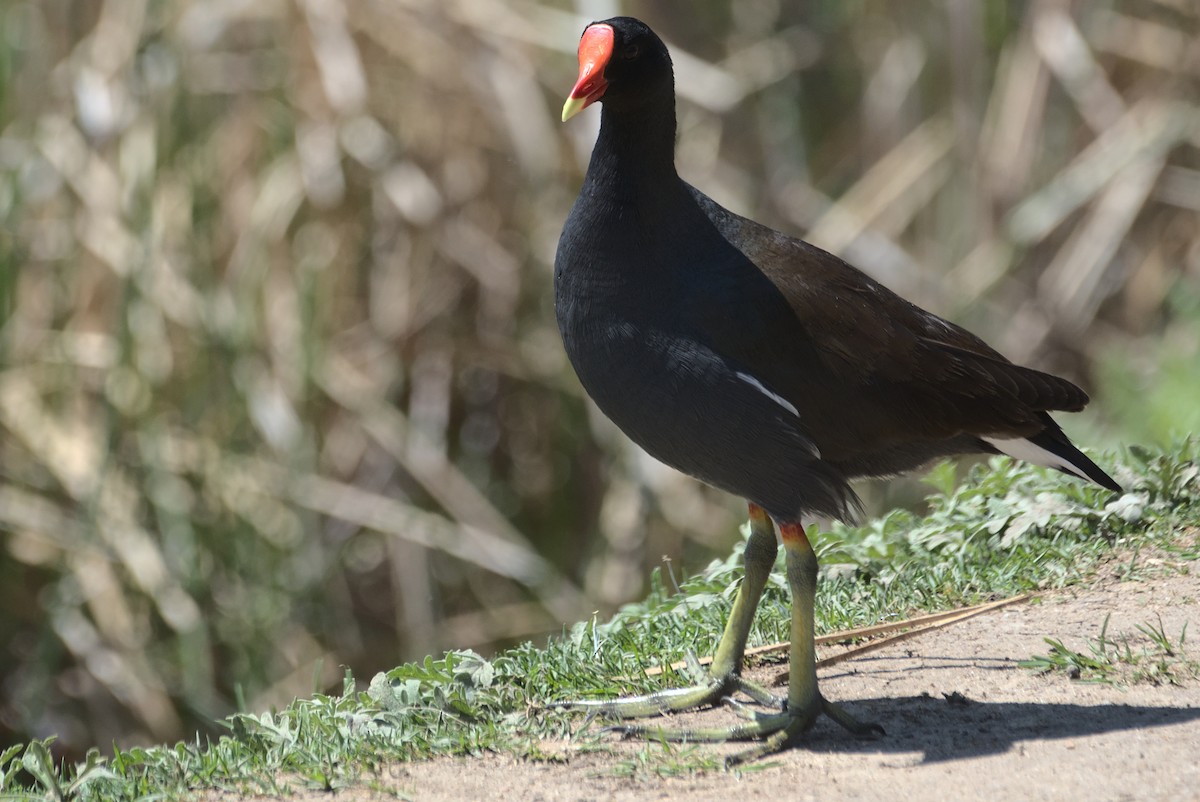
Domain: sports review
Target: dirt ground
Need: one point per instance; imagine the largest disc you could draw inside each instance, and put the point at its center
(1006, 733)
(964, 721)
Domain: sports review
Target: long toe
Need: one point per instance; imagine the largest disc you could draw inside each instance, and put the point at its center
(674, 700)
(863, 729)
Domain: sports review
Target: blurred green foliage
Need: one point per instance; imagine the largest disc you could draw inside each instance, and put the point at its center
(280, 386)
(1152, 382)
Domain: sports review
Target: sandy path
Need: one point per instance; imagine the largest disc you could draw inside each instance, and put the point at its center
(1018, 735)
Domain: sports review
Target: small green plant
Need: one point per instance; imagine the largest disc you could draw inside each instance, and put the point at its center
(1116, 662)
(1097, 665)
(666, 759)
(50, 781)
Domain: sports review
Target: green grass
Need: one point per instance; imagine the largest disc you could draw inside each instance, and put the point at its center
(1163, 660)
(1007, 528)
(666, 759)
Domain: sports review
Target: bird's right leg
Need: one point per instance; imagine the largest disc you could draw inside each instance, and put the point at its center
(724, 675)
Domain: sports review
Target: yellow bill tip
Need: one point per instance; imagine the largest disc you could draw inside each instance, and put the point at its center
(573, 106)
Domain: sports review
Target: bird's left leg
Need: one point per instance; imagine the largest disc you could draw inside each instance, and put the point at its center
(723, 677)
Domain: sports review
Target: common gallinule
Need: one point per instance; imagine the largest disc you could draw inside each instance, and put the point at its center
(761, 365)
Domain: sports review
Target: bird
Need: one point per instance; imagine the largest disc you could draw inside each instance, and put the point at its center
(763, 366)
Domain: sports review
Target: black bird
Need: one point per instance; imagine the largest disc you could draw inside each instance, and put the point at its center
(761, 364)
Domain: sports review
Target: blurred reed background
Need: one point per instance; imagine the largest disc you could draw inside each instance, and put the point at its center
(280, 385)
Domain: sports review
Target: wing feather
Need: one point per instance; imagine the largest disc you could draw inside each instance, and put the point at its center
(917, 372)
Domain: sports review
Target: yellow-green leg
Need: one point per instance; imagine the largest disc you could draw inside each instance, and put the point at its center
(804, 701)
(723, 675)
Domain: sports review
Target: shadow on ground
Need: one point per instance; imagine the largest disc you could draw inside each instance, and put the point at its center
(954, 727)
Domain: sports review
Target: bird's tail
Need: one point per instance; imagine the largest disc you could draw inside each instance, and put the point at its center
(1051, 448)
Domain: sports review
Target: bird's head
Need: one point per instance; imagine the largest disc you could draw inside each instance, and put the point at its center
(623, 63)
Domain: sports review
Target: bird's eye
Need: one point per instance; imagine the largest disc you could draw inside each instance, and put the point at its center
(631, 52)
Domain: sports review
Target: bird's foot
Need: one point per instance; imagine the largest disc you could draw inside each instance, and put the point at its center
(774, 730)
(710, 689)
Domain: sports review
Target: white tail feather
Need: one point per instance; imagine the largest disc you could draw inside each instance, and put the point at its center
(1022, 449)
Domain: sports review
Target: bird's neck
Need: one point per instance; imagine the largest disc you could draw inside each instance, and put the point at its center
(634, 157)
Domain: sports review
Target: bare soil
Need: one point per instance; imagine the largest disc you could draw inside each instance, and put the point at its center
(964, 722)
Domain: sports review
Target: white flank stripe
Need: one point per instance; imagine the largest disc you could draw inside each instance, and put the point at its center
(778, 399)
(1020, 448)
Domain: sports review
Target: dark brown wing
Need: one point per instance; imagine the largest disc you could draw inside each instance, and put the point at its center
(919, 374)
